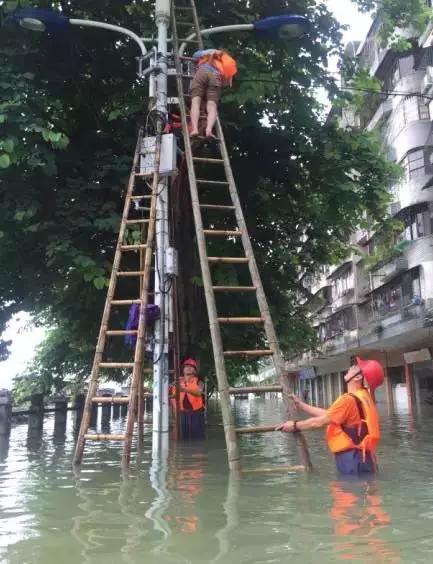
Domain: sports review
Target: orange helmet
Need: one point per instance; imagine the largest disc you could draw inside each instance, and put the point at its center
(372, 371)
(190, 362)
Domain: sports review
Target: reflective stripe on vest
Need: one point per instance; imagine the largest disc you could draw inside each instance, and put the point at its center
(339, 440)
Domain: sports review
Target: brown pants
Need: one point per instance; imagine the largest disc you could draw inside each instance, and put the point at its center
(207, 85)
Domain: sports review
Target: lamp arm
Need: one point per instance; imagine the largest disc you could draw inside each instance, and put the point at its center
(214, 30)
(103, 25)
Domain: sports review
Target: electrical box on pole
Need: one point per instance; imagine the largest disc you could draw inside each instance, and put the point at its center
(167, 165)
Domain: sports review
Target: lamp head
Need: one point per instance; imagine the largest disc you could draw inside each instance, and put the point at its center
(39, 19)
(285, 26)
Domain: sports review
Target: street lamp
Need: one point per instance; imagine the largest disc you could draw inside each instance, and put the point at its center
(39, 19)
(284, 26)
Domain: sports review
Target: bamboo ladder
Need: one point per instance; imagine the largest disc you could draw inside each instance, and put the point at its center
(144, 254)
(184, 15)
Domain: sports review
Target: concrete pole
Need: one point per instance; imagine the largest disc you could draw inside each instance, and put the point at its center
(160, 372)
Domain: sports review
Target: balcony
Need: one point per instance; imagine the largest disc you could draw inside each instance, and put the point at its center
(345, 299)
(384, 273)
(340, 342)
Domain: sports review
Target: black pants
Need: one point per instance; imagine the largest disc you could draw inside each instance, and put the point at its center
(192, 424)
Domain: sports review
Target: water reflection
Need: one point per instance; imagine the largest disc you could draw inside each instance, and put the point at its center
(359, 519)
(187, 509)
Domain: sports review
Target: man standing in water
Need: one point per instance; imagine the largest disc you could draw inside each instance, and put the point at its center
(352, 421)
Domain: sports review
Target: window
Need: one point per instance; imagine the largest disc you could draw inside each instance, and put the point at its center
(418, 222)
(411, 108)
(418, 162)
(343, 284)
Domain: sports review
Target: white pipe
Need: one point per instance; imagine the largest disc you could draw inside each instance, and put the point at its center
(103, 25)
(214, 30)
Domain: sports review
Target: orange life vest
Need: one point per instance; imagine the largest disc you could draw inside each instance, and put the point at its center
(195, 401)
(222, 61)
(339, 440)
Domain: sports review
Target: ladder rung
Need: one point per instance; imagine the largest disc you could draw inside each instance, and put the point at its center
(229, 260)
(240, 320)
(111, 399)
(101, 437)
(255, 390)
(131, 273)
(144, 174)
(147, 197)
(132, 221)
(234, 288)
(216, 207)
(257, 352)
(216, 182)
(126, 302)
(190, 24)
(208, 160)
(132, 247)
(120, 332)
(222, 233)
(250, 430)
(116, 365)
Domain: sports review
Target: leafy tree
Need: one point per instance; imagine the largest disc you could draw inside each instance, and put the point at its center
(69, 111)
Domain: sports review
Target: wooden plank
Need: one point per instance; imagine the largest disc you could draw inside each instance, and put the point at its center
(132, 247)
(121, 332)
(102, 437)
(133, 221)
(265, 352)
(116, 365)
(208, 160)
(111, 399)
(138, 198)
(219, 207)
(130, 273)
(222, 233)
(274, 470)
(255, 430)
(234, 288)
(240, 320)
(228, 260)
(255, 390)
(214, 182)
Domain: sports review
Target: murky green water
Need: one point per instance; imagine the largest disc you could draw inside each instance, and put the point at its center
(191, 511)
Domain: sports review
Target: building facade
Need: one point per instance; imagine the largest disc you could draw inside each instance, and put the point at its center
(379, 302)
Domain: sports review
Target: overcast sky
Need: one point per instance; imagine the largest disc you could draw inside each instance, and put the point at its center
(25, 340)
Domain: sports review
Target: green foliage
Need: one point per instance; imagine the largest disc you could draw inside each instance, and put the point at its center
(398, 14)
(69, 112)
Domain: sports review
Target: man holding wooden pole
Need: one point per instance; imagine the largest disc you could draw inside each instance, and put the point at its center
(352, 421)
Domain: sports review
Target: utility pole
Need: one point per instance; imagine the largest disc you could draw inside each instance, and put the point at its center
(160, 359)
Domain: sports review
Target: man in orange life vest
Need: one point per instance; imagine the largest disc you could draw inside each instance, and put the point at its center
(215, 69)
(352, 420)
(191, 404)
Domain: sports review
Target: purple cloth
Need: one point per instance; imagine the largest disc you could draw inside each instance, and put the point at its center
(152, 314)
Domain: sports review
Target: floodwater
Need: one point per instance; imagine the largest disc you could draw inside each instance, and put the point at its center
(190, 510)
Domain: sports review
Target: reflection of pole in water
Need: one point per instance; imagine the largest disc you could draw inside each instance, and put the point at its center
(161, 501)
(232, 517)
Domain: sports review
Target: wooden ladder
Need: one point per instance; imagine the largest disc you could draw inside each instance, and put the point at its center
(142, 253)
(184, 13)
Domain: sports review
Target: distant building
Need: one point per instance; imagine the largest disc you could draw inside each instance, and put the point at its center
(382, 306)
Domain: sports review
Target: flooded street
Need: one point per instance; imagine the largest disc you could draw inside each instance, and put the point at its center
(189, 510)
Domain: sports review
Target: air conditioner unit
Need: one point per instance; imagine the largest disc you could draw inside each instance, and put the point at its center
(427, 83)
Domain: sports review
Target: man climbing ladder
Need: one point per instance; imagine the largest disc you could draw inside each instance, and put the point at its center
(216, 173)
(215, 69)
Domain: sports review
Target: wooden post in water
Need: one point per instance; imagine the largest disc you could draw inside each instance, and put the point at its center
(94, 415)
(5, 413)
(116, 411)
(123, 410)
(61, 410)
(36, 412)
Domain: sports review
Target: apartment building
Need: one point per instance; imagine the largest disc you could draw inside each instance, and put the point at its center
(379, 302)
